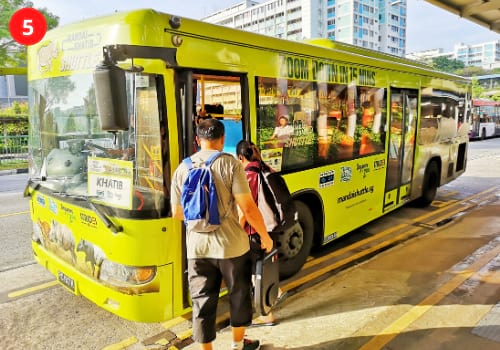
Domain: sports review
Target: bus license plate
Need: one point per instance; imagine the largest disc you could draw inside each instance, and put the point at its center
(67, 281)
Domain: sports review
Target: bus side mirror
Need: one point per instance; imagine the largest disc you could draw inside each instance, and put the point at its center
(111, 97)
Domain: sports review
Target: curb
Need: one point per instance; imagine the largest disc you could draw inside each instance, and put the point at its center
(13, 171)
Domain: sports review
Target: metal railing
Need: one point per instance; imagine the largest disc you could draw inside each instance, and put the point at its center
(13, 148)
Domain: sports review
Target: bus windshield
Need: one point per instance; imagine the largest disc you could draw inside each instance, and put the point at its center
(72, 156)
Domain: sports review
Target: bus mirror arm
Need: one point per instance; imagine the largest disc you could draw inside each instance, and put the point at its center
(114, 53)
(107, 222)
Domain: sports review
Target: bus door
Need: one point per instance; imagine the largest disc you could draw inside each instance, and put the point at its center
(403, 122)
(201, 95)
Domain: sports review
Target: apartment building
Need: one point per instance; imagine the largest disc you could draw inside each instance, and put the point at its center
(374, 24)
(486, 55)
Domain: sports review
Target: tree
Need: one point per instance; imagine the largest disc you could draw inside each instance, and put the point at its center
(471, 71)
(446, 65)
(477, 90)
(13, 54)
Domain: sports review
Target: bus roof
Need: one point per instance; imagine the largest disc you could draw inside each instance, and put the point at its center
(477, 102)
(151, 28)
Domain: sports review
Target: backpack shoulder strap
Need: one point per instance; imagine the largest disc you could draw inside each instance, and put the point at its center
(188, 162)
(253, 169)
(211, 159)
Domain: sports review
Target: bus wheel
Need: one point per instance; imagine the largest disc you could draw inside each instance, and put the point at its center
(294, 244)
(429, 186)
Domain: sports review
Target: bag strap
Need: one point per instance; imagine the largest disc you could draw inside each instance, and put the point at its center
(268, 193)
(270, 198)
(253, 169)
(210, 159)
(188, 162)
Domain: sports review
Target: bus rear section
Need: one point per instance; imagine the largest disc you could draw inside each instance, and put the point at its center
(485, 119)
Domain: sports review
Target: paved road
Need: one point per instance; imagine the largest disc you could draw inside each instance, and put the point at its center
(15, 226)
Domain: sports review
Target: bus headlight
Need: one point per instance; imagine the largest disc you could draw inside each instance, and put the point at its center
(122, 275)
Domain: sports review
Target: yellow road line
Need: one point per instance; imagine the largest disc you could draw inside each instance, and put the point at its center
(320, 272)
(36, 288)
(458, 210)
(431, 213)
(396, 228)
(185, 334)
(175, 321)
(121, 345)
(12, 214)
(448, 194)
(341, 251)
(398, 326)
(314, 262)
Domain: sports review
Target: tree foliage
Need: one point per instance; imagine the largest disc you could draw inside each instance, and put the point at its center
(446, 65)
(471, 71)
(477, 89)
(13, 54)
(17, 109)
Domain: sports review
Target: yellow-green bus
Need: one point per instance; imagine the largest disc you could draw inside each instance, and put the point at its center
(113, 104)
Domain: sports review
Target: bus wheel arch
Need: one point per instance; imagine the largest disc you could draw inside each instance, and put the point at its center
(295, 244)
(430, 183)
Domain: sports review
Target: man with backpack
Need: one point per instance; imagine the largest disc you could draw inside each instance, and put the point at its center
(222, 250)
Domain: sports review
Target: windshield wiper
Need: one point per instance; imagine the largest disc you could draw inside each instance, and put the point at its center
(109, 224)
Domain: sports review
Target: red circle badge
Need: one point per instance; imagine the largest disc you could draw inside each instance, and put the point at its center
(27, 26)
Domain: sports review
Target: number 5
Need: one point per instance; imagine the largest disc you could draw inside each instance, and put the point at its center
(27, 25)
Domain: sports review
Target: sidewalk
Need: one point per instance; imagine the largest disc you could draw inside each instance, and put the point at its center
(437, 291)
(13, 171)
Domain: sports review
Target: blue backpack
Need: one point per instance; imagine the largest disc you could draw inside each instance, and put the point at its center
(199, 197)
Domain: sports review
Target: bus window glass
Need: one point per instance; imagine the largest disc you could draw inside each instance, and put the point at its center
(220, 97)
(442, 115)
(148, 145)
(294, 134)
(409, 136)
(286, 132)
(73, 156)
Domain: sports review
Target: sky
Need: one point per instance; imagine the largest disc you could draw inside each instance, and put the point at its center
(428, 27)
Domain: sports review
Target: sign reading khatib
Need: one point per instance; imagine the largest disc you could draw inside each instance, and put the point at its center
(110, 181)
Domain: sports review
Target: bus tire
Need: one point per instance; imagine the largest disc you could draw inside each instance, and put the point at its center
(294, 244)
(430, 185)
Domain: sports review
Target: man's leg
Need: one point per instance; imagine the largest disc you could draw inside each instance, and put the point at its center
(204, 285)
(238, 334)
(237, 273)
